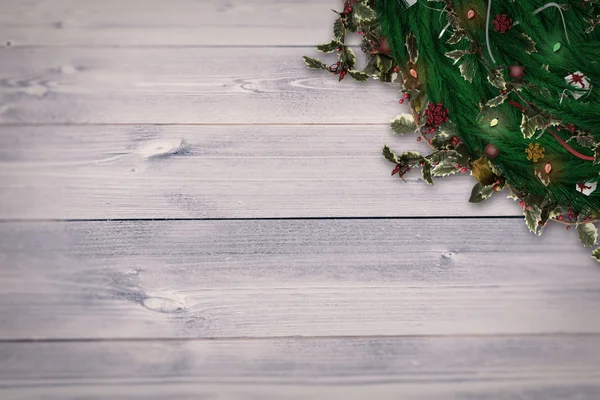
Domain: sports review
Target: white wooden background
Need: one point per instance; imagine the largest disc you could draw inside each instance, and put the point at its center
(187, 212)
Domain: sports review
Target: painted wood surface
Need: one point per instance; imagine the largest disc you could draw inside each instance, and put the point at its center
(85, 172)
(89, 23)
(182, 86)
(200, 114)
(258, 278)
(553, 367)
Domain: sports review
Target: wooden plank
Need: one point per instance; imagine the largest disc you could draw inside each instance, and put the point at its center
(154, 23)
(258, 278)
(182, 85)
(219, 172)
(417, 368)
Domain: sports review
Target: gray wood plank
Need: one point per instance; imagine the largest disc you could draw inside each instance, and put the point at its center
(156, 23)
(259, 278)
(545, 368)
(219, 172)
(181, 85)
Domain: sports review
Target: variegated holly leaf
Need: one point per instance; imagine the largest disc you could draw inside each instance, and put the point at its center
(584, 140)
(456, 37)
(481, 192)
(314, 63)
(411, 158)
(496, 101)
(496, 78)
(528, 43)
(362, 13)
(426, 172)
(411, 48)
(596, 254)
(529, 126)
(389, 155)
(533, 217)
(467, 68)
(456, 54)
(329, 47)
(588, 234)
(358, 75)
(348, 57)
(384, 63)
(338, 29)
(403, 123)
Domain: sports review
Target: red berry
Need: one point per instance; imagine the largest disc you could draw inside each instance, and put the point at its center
(560, 218)
(396, 69)
(463, 170)
(406, 95)
(419, 139)
(401, 101)
(568, 228)
(408, 169)
(457, 166)
(522, 203)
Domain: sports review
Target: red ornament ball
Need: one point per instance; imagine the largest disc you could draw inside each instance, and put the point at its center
(491, 151)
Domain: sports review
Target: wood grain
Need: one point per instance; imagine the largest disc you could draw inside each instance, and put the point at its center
(417, 368)
(179, 85)
(152, 23)
(82, 172)
(301, 278)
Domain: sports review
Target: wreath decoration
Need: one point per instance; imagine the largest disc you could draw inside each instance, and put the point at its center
(503, 89)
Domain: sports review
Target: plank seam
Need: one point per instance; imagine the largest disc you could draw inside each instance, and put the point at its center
(454, 217)
(296, 337)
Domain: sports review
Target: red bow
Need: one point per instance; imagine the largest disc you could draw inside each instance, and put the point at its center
(576, 78)
(582, 187)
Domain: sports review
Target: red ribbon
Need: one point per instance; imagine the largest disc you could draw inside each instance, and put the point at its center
(576, 78)
(582, 187)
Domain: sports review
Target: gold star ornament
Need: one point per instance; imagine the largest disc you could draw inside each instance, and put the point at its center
(534, 152)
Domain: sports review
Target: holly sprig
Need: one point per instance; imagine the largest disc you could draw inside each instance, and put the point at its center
(358, 17)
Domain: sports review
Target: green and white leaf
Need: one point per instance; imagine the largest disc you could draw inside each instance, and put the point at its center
(588, 234)
(496, 78)
(329, 47)
(411, 48)
(426, 172)
(456, 37)
(411, 158)
(403, 123)
(529, 126)
(596, 254)
(348, 57)
(446, 167)
(533, 216)
(467, 68)
(389, 155)
(481, 192)
(584, 141)
(362, 13)
(384, 63)
(338, 29)
(496, 101)
(358, 75)
(456, 54)
(314, 63)
(528, 43)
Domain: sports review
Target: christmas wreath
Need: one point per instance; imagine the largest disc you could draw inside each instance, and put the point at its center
(503, 89)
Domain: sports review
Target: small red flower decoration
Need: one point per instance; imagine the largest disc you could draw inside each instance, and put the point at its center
(503, 23)
(436, 114)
